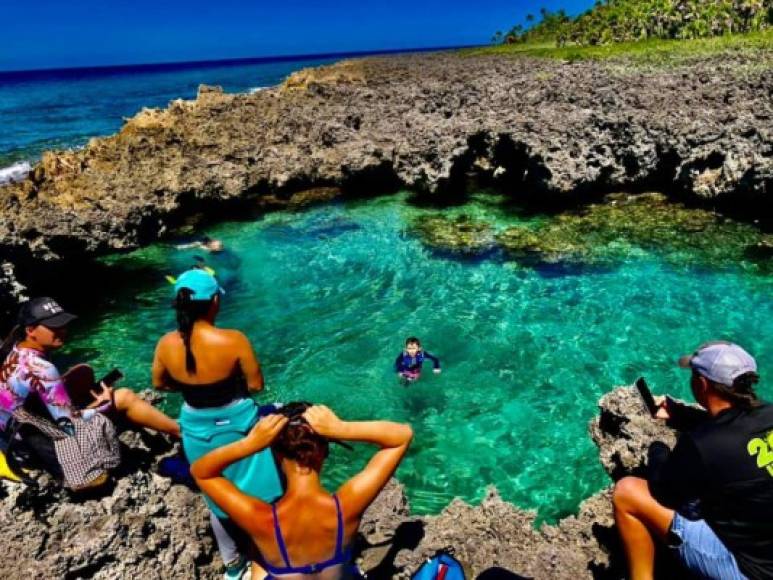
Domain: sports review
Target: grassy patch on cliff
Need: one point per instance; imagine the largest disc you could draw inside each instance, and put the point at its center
(653, 51)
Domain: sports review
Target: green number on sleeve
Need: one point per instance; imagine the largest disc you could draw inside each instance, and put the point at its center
(762, 450)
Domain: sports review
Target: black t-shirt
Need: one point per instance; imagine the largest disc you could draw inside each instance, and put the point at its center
(726, 463)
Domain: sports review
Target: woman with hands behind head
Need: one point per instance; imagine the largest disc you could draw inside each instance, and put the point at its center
(308, 532)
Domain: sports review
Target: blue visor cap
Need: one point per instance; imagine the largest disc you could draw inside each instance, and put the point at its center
(202, 284)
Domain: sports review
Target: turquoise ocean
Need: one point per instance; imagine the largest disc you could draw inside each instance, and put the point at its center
(328, 294)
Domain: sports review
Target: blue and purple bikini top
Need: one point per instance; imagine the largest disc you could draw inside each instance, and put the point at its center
(341, 555)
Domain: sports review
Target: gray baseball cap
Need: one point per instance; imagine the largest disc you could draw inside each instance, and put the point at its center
(721, 362)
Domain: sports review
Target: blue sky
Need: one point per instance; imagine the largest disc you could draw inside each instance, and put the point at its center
(49, 34)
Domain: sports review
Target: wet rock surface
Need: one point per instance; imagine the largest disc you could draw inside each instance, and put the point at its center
(150, 528)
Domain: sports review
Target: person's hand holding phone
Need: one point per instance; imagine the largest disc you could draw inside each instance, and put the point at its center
(657, 406)
(103, 396)
(662, 412)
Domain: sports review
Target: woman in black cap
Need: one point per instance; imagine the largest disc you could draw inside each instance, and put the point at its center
(25, 369)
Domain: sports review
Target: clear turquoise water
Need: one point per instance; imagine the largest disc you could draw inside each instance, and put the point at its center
(327, 296)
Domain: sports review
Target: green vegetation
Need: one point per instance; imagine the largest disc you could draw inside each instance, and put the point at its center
(655, 51)
(614, 21)
(551, 26)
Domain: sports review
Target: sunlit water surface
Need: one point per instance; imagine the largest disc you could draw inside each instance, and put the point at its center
(327, 296)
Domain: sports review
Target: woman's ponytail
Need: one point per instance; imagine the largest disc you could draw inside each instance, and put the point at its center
(188, 312)
(743, 391)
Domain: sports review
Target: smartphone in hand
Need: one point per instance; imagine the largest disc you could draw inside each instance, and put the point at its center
(646, 395)
(112, 377)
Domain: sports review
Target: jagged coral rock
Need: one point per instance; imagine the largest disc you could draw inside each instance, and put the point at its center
(11, 291)
(427, 122)
(150, 528)
(624, 430)
(145, 528)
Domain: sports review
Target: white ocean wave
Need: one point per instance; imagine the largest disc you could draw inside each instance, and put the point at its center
(15, 172)
(256, 89)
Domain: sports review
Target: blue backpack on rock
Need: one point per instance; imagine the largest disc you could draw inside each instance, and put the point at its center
(442, 566)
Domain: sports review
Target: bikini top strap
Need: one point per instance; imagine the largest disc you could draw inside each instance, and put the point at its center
(340, 532)
(279, 539)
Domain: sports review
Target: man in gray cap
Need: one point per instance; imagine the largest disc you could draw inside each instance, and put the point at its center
(723, 464)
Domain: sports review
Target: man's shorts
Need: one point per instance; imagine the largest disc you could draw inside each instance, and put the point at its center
(701, 551)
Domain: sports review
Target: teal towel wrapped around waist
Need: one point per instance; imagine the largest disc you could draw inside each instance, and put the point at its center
(206, 429)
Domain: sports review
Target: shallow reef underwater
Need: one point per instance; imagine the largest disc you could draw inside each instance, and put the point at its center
(606, 234)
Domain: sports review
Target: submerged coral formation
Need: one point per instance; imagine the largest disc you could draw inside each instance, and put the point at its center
(461, 234)
(605, 234)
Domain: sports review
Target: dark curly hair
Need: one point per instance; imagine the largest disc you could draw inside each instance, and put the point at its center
(298, 441)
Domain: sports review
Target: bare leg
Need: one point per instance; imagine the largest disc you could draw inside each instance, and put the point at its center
(258, 572)
(640, 519)
(143, 413)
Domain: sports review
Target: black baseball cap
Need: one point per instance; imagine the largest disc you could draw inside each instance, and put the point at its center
(45, 311)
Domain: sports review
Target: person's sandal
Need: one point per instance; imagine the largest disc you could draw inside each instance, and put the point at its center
(238, 570)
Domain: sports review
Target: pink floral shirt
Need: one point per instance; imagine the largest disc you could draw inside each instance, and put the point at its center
(26, 371)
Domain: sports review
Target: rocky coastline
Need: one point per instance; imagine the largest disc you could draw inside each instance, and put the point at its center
(148, 527)
(547, 132)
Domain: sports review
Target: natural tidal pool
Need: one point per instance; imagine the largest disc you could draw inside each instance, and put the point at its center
(328, 295)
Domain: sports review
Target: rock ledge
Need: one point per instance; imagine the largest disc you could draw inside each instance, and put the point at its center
(150, 528)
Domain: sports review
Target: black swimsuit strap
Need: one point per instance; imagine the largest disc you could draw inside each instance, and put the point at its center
(215, 394)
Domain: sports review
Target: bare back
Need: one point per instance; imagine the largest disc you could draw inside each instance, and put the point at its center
(219, 354)
(309, 527)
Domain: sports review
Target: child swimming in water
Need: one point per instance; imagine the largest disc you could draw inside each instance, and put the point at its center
(409, 362)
